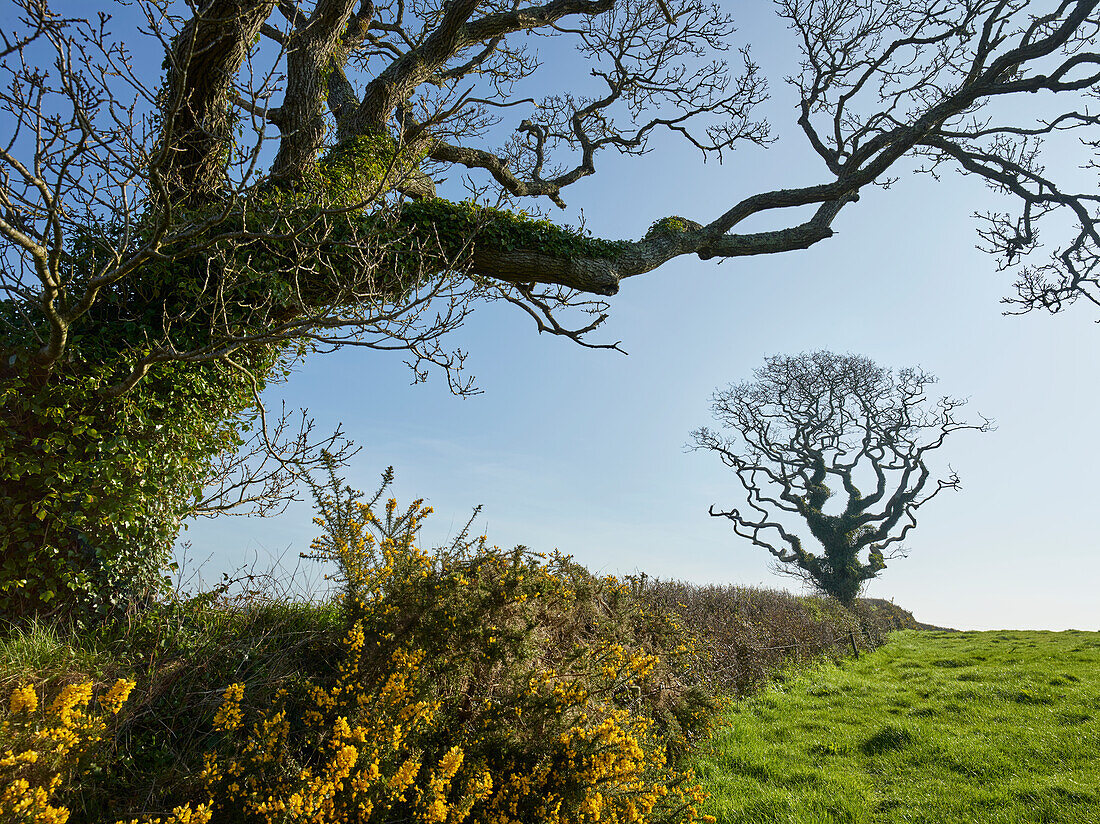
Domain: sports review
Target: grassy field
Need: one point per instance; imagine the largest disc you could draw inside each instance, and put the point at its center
(991, 727)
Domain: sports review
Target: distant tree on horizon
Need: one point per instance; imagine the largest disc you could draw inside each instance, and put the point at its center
(813, 425)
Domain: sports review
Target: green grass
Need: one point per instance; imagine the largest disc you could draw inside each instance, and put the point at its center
(990, 727)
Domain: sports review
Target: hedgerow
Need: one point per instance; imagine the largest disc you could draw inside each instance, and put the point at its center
(468, 685)
(750, 633)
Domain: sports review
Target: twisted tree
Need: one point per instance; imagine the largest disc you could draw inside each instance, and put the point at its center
(170, 245)
(814, 420)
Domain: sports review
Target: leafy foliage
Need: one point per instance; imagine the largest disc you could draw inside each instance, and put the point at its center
(358, 170)
(93, 487)
(672, 225)
(469, 225)
(92, 493)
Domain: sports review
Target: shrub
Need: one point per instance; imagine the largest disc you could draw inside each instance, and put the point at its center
(382, 744)
(472, 685)
(48, 749)
(750, 633)
(495, 686)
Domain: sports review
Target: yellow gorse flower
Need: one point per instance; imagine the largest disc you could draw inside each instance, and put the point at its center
(42, 751)
(117, 695)
(68, 706)
(23, 699)
(228, 716)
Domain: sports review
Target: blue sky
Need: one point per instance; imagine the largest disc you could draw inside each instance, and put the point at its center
(583, 450)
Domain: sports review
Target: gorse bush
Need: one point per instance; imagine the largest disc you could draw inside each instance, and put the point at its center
(40, 749)
(376, 745)
(47, 749)
(317, 765)
(181, 653)
(466, 685)
(472, 684)
(490, 620)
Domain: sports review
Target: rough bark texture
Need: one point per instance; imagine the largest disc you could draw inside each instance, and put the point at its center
(301, 118)
(202, 67)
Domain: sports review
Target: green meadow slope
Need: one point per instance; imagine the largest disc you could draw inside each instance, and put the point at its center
(991, 727)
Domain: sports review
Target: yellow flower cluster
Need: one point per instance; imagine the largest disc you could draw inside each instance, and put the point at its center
(363, 545)
(43, 751)
(368, 761)
(607, 766)
(116, 696)
(23, 699)
(185, 814)
(20, 801)
(228, 716)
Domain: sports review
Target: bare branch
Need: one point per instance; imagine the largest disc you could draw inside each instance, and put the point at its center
(815, 419)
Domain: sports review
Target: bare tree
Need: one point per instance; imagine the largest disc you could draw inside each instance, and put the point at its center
(272, 194)
(813, 422)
